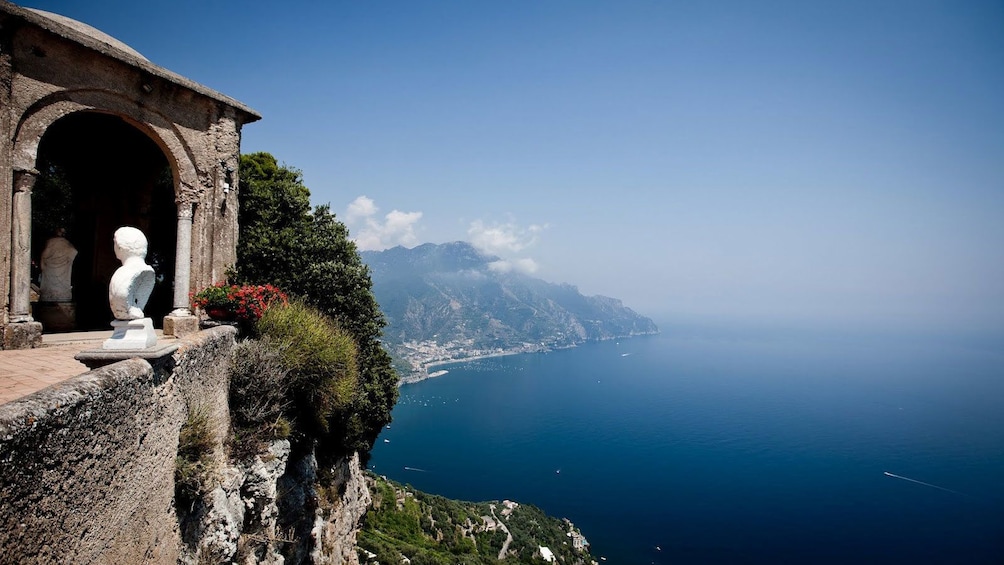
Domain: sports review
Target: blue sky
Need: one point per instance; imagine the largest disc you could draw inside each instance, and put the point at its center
(835, 163)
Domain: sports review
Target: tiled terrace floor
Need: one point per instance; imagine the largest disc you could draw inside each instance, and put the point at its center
(25, 371)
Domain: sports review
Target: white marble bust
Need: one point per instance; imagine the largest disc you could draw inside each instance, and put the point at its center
(57, 266)
(132, 283)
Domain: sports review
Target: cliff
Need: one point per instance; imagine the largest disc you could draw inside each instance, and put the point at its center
(88, 474)
(271, 509)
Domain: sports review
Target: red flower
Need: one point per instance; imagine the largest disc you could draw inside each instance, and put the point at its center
(248, 302)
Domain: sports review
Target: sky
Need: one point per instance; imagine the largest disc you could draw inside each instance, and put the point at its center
(830, 163)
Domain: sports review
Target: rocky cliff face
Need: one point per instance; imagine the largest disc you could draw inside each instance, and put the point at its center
(237, 520)
(272, 509)
(336, 521)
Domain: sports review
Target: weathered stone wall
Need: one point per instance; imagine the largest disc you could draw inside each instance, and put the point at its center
(87, 466)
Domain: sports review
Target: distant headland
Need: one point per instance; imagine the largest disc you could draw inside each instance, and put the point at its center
(445, 303)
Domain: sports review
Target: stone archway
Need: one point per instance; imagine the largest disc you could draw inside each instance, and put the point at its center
(53, 68)
(97, 172)
(188, 183)
(37, 120)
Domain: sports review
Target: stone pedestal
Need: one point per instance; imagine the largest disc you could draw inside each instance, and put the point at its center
(179, 326)
(22, 335)
(56, 316)
(131, 335)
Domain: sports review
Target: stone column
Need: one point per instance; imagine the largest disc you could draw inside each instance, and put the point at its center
(181, 321)
(23, 332)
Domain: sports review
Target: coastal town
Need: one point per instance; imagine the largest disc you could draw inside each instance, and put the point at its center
(423, 356)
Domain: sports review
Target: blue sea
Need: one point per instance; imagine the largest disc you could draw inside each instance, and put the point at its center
(705, 447)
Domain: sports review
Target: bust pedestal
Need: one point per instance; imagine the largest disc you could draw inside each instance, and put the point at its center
(56, 316)
(131, 334)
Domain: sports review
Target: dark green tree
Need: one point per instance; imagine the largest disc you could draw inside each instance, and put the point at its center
(308, 254)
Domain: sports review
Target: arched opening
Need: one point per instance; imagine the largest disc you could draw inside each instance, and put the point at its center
(97, 173)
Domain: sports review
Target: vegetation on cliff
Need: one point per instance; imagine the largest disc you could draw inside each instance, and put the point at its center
(323, 375)
(258, 397)
(307, 252)
(432, 530)
(316, 367)
(194, 466)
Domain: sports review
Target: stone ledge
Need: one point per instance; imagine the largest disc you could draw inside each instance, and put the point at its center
(156, 355)
(49, 407)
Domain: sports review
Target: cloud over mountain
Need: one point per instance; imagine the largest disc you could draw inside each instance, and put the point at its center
(373, 233)
(505, 239)
(526, 266)
(502, 238)
(453, 292)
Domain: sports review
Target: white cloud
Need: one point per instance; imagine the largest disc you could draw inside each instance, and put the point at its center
(502, 238)
(361, 207)
(526, 266)
(373, 233)
(501, 266)
(505, 240)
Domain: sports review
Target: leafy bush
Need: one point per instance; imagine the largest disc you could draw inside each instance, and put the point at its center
(259, 383)
(309, 254)
(321, 360)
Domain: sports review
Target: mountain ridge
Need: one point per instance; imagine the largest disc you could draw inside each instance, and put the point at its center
(446, 302)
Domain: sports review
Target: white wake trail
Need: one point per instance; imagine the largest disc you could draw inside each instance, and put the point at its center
(895, 476)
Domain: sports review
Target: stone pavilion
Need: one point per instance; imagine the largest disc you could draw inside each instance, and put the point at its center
(95, 137)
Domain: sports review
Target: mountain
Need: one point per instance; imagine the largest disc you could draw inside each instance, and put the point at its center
(451, 301)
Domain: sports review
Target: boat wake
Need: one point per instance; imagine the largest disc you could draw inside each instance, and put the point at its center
(895, 476)
(415, 469)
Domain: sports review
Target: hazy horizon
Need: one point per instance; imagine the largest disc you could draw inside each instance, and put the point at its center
(835, 165)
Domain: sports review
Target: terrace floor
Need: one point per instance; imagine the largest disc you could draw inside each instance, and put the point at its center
(24, 371)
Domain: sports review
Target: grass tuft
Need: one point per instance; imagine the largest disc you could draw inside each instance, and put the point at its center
(259, 386)
(194, 464)
(321, 359)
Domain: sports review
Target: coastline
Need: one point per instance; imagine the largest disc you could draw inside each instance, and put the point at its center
(423, 373)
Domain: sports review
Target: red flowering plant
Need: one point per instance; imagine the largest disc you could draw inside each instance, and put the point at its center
(244, 303)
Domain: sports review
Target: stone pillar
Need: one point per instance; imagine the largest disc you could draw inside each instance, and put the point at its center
(23, 331)
(181, 321)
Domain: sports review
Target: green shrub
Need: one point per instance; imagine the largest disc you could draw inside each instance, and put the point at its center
(308, 253)
(321, 360)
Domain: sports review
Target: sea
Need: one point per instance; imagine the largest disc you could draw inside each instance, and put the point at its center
(697, 446)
